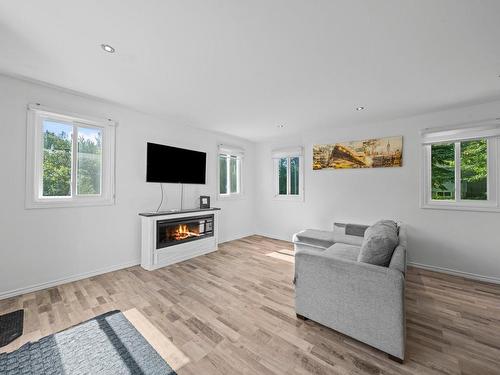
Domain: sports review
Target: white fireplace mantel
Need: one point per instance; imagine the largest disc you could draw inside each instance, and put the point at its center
(153, 258)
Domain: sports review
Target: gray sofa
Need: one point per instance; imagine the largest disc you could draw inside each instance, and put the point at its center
(362, 300)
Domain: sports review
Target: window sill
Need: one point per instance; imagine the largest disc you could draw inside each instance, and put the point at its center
(229, 197)
(291, 198)
(67, 204)
(452, 207)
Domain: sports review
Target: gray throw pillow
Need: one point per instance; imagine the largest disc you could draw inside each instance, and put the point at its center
(379, 243)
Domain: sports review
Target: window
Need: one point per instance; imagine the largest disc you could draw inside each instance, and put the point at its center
(460, 168)
(230, 167)
(70, 160)
(288, 173)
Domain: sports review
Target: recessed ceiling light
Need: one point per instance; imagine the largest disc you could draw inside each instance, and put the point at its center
(107, 48)
(359, 108)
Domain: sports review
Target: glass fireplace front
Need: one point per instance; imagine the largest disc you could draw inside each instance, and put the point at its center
(175, 231)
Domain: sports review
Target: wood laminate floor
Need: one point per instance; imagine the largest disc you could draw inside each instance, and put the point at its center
(232, 312)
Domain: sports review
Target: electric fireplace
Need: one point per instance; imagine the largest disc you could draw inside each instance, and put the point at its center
(176, 231)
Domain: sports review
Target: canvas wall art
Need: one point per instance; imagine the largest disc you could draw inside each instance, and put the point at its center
(370, 153)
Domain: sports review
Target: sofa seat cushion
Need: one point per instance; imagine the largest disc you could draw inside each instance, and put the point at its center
(322, 239)
(344, 251)
(379, 243)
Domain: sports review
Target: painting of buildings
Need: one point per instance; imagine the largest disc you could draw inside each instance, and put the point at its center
(370, 153)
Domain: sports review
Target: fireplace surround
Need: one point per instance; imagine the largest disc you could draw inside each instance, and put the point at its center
(174, 236)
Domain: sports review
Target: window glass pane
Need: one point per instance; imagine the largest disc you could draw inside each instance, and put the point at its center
(474, 169)
(223, 174)
(294, 176)
(233, 171)
(56, 166)
(282, 171)
(89, 162)
(443, 171)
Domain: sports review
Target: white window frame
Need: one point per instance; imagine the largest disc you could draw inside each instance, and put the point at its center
(489, 131)
(288, 153)
(34, 159)
(231, 152)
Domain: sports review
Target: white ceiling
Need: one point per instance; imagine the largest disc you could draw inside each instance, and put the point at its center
(243, 67)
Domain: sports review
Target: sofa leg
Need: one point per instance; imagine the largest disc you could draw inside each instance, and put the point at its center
(301, 317)
(395, 359)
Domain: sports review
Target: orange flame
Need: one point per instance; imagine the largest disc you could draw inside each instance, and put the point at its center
(182, 232)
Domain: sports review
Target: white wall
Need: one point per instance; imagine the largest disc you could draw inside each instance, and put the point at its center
(467, 242)
(43, 245)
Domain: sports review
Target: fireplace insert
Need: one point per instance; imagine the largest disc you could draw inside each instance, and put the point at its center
(176, 231)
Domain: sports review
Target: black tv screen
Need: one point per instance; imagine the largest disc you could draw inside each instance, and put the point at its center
(175, 165)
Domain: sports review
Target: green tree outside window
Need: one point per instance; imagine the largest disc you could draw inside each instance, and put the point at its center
(473, 170)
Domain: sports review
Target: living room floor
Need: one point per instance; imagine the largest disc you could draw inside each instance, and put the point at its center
(232, 312)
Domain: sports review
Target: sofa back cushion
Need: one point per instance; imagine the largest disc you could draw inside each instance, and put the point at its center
(379, 243)
(351, 234)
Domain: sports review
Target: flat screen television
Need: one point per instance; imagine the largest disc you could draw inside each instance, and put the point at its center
(175, 165)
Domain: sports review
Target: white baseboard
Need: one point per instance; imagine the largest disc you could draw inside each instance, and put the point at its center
(449, 271)
(50, 284)
(273, 236)
(69, 279)
(236, 237)
(467, 275)
(64, 280)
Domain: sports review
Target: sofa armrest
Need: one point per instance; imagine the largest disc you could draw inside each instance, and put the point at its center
(398, 260)
(362, 300)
